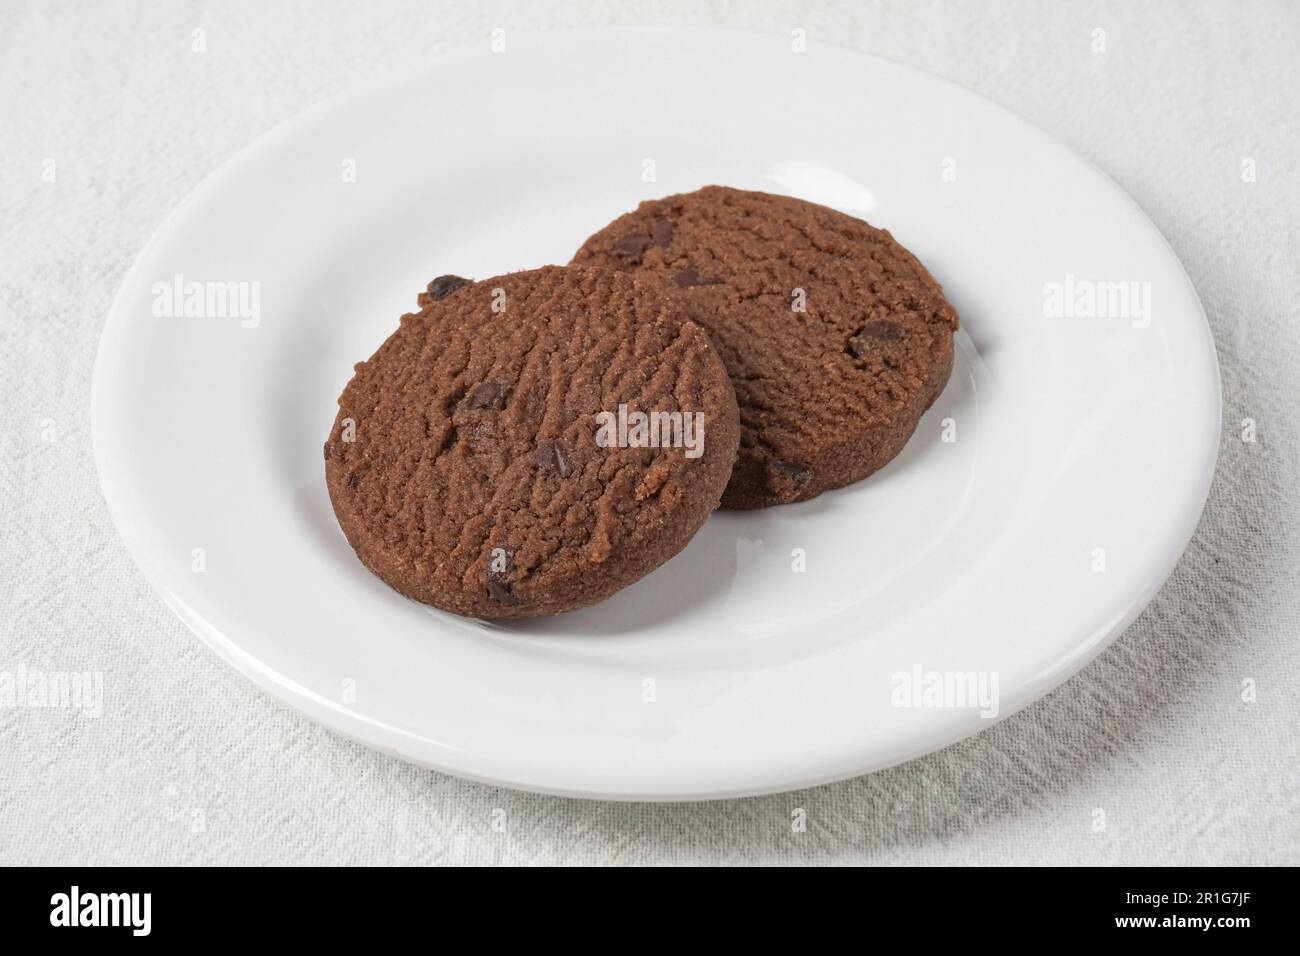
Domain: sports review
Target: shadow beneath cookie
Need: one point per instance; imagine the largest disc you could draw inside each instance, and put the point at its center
(977, 332)
(702, 573)
(958, 401)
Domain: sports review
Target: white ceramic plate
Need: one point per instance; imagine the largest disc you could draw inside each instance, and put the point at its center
(1083, 451)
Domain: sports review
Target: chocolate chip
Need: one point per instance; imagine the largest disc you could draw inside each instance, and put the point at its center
(662, 233)
(632, 246)
(444, 286)
(485, 395)
(881, 329)
(327, 451)
(689, 277)
(877, 330)
(552, 459)
(502, 594)
(798, 475)
(353, 479)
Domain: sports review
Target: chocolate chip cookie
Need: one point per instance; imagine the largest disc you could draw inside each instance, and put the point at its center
(531, 443)
(836, 338)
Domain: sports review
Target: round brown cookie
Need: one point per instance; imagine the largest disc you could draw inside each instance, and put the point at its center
(837, 339)
(472, 465)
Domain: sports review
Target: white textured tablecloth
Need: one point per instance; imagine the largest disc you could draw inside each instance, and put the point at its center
(189, 763)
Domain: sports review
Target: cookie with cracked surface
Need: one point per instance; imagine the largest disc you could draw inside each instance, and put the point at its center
(476, 462)
(837, 339)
